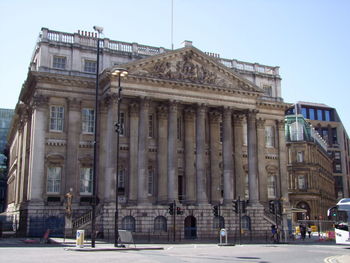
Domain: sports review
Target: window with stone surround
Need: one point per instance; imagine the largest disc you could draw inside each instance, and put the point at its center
(56, 118)
(150, 180)
(86, 181)
(179, 128)
(271, 187)
(268, 90)
(59, 62)
(88, 120)
(121, 179)
(300, 156)
(269, 136)
(160, 224)
(53, 185)
(122, 123)
(150, 126)
(302, 182)
(90, 66)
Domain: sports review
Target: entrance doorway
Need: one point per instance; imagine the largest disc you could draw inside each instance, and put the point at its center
(190, 227)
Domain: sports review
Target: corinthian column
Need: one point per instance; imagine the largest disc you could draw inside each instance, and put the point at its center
(238, 143)
(143, 152)
(190, 173)
(172, 153)
(37, 149)
(252, 158)
(162, 159)
(261, 161)
(227, 148)
(202, 197)
(133, 150)
(215, 171)
(110, 146)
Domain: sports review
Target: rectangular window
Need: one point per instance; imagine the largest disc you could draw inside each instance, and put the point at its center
(271, 187)
(269, 136)
(122, 123)
(302, 182)
(53, 180)
(303, 112)
(245, 134)
(90, 66)
(327, 114)
(334, 136)
(86, 181)
(337, 168)
(121, 179)
(179, 128)
(221, 131)
(312, 114)
(337, 155)
(268, 90)
(56, 118)
(59, 62)
(319, 115)
(88, 120)
(150, 126)
(300, 157)
(325, 134)
(150, 180)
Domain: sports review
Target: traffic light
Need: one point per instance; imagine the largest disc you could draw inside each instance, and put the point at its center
(272, 207)
(117, 127)
(235, 204)
(179, 211)
(171, 208)
(216, 210)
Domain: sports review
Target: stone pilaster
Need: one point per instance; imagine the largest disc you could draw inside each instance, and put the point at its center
(172, 153)
(73, 133)
(227, 149)
(111, 151)
(143, 152)
(39, 124)
(252, 158)
(263, 197)
(215, 171)
(133, 151)
(190, 173)
(162, 159)
(201, 180)
(238, 160)
(282, 152)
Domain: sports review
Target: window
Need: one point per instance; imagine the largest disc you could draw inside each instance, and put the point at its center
(300, 156)
(56, 118)
(150, 180)
(334, 136)
(271, 187)
(269, 136)
(150, 126)
(128, 223)
(303, 112)
(319, 115)
(160, 224)
(338, 168)
(301, 182)
(246, 187)
(218, 222)
(88, 122)
(296, 131)
(179, 128)
(121, 179)
(221, 130)
(86, 180)
(245, 134)
(54, 180)
(324, 134)
(246, 225)
(90, 66)
(59, 62)
(122, 123)
(267, 90)
(312, 114)
(327, 115)
(337, 155)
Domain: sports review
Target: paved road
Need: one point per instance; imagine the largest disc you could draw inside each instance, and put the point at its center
(301, 253)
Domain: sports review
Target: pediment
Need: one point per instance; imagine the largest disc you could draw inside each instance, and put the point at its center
(190, 66)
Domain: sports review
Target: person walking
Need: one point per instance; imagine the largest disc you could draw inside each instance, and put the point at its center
(309, 230)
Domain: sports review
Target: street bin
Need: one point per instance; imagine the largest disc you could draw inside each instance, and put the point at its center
(80, 238)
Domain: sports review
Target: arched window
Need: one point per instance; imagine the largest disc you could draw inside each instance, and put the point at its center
(128, 223)
(218, 222)
(160, 224)
(246, 223)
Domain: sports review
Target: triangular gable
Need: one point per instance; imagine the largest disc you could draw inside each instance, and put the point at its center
(190, 65)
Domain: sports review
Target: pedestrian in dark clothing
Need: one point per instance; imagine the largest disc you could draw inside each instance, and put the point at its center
(302, 231)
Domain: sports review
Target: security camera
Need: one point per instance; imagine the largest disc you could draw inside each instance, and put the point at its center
(99, 29)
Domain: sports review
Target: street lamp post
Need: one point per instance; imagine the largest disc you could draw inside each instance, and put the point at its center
(118, 72)
(94, 174)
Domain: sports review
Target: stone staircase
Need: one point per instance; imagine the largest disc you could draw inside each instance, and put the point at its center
(85, 219)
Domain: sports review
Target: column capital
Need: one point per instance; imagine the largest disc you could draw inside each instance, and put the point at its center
(189, 114)
(260, 123)
(162, 112)
(237, 119)
(39, 101)
(134, 108)
(74, 104)
(145, 102)
(201, 108)
(110, 99)
(280, 125)
(214, 116)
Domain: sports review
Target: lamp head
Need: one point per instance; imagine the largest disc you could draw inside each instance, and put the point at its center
(99, 29)
(122, 72)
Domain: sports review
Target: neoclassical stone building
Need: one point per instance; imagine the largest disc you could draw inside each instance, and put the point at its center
(197, 129)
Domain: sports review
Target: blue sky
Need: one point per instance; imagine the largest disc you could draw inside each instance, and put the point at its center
(308, 39)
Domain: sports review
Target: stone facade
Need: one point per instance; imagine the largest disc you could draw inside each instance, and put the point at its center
(197, 130)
